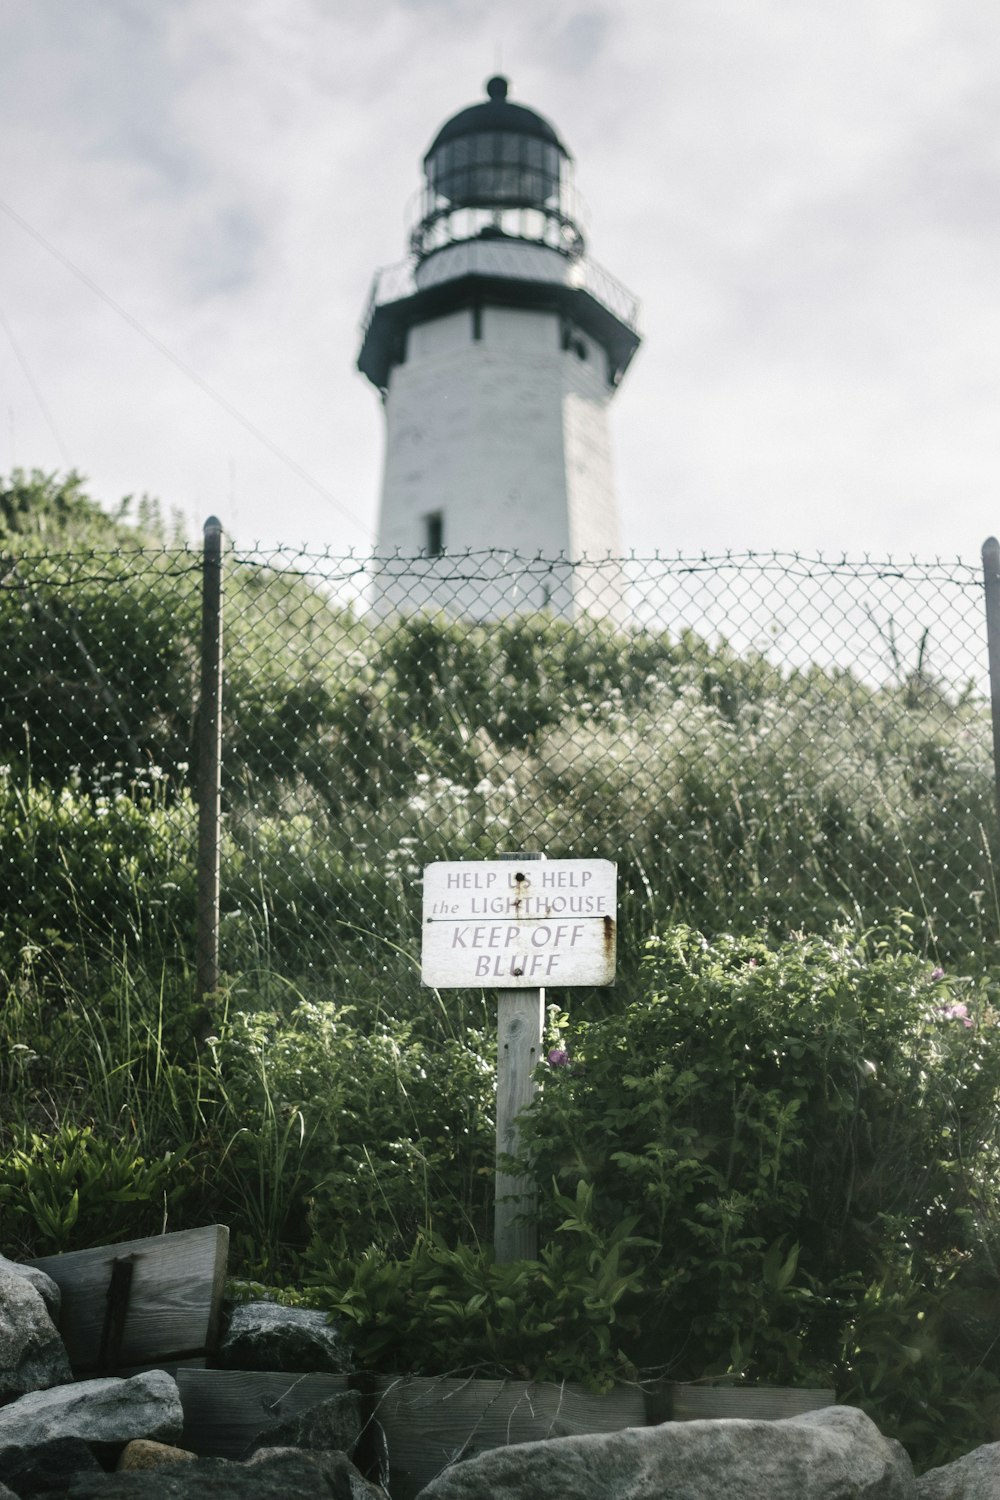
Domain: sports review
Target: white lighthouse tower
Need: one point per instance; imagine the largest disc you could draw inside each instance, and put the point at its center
(497, 347)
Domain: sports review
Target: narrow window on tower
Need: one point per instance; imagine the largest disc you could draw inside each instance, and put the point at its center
(570, 339)
(477, 323)
(434, 534)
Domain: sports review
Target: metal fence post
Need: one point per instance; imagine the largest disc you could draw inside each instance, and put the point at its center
(991, 582)
(210, 761)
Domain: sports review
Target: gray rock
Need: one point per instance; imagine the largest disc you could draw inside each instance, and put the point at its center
(349, 1482)
(47, 1470)
(837, 1452)
(334, 1425)
(974, 1477)
(43, 1284)
(6, 1494)
(277, 1474)
(32, 1355)
(144, 1453)
(99, 1411)
(266, 1336)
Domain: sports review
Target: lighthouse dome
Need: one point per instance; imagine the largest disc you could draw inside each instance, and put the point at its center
(497, 112)
(496, 154)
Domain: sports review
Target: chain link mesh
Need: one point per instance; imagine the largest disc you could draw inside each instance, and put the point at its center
(761, 739)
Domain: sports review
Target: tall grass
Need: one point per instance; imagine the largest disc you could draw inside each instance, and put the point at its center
(732, 797)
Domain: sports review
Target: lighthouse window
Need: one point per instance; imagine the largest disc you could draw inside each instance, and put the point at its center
(495, 167)
(434, 534)
(570, 339)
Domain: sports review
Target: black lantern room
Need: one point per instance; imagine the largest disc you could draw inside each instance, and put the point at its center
(497, 169)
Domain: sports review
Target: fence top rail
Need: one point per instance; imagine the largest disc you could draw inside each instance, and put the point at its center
(791, 563)
(259, 553)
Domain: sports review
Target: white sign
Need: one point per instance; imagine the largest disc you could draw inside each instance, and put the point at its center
(504, 924)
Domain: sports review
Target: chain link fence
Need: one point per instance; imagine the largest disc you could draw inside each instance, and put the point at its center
(757, 740)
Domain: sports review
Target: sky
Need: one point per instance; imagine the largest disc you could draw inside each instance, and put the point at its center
(195, 196)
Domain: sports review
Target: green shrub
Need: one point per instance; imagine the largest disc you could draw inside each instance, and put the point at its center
(71, 1188)
(441, 1310)
(356, 1134)
(917, 1356)
(787, 1122)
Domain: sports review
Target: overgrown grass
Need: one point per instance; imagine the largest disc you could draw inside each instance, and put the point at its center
(329, 1107)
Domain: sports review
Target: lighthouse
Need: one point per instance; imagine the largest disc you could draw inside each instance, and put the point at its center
(497, 347)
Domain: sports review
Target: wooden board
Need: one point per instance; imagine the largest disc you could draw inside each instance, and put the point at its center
(758, 1403)
(174, 1299)
(225, 1410)
(430, 1423)
(489, 925)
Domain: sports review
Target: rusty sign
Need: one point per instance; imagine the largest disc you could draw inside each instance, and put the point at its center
(497, 924)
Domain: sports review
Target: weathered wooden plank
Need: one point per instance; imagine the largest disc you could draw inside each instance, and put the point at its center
(174, 1299)
(225, 1410)
(758, 1403)
(198, 1362)
(429, 1423)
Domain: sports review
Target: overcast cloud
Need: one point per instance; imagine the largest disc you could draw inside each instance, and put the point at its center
(803, 196)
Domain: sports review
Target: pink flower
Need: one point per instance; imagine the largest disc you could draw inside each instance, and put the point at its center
(957, 1012)
(558, 1057)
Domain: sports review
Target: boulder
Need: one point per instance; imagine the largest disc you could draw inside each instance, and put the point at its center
(334, 1424)
(974, 1477)
(346, 1482)
(100, 1411)
(837, 1452)
(267, 1336)
(47, 1470)
(143, 1453)
(32, 1355)
(43, 1284)
(278, 1474)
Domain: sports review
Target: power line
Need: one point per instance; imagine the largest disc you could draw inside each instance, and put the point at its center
(36, 390)
(185, 368)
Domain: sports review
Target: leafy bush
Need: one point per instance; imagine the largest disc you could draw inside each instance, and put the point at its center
(789, 1124)
(359, 1135)
(917, 1356)
(440, 1309)
(71, 1188)
(98, 625)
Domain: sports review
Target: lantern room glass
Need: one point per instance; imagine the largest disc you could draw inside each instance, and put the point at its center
(495, 167)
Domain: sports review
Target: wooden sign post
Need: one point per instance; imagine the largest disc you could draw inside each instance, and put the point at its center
(518, 923)
(520, 1032)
